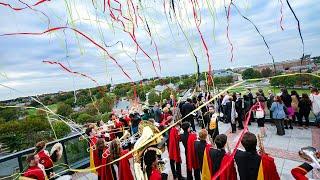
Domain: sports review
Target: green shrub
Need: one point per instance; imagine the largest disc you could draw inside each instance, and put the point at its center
(61, 129)
(84, 118)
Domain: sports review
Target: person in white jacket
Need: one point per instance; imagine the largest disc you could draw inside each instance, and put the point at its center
(315, 99)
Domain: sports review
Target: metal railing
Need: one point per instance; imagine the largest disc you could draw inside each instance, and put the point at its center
(75, 155)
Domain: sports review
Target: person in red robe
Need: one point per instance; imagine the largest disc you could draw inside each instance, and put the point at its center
(102, 157)
(35, 170)
(252, 165)
(219, 157)
(44, 157)
(124, 170)
(192, 161)
(126, 118)
(150, 160)
(166, 113)
(200, 147)
(184, 139)
(174, 151)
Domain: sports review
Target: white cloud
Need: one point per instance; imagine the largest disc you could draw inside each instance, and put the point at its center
(21, 56)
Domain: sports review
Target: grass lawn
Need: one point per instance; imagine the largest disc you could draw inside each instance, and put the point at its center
(275, 90)
(53, 107)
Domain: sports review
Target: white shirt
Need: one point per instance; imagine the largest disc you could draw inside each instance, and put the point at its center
(225, 100)
(315, 99)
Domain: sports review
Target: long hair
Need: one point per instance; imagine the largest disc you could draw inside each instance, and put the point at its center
(149, 158)
(40, 146)
(284, 91)
(294, 93)
(305, 97)
(115, 149)
(278, 99)
(100, 147)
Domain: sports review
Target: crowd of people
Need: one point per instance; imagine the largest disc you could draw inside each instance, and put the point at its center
(205, 151)
(285, 109)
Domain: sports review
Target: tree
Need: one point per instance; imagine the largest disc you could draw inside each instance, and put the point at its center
(41, 114)
(153, 97)
(61, 129)
(266, 72)
(250, 73)
(106, 103)
(187, 83)
(315, 81)
(167, 92)
(70, 102)
(64, 109)
(92, 109)
(121, 89)
(10, 113)
(84, 118)
(18, 135)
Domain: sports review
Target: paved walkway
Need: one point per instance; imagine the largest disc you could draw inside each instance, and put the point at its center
(284, 149)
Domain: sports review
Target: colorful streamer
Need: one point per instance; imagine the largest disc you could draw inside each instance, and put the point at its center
(299, 29)
(19, 9)
(228, 27)
(77, 31)
(263, 38)
(70, 71)
(281, 16)
(197, 22)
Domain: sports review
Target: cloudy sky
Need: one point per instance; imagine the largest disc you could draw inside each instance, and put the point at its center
(22, 56)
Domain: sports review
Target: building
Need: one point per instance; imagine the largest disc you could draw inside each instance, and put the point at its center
(161, 88)
(225, 73)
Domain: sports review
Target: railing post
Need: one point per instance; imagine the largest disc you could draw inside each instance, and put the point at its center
(64, 153)
(20, 163)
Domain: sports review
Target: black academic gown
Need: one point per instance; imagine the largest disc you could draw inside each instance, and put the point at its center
(199, 147)
(216, 156)
(248, 164)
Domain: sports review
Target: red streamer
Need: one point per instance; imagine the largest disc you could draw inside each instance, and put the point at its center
(131, 34)
(224, 166)
(79, 32)
(201, 36)
(70, 71)
(19, 9)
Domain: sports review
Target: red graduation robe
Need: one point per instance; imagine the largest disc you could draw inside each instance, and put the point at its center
(267, 169)
(155, 174)
(174, 148)
(230, 172)
(35, 172)
(192, 162)
(104, 172)
(45, 159)
(124, 171)
(299, 173)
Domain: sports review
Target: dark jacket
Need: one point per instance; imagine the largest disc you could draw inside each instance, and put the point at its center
(248, 164)
(286, 98)
(239, 107)
(305, 106)
(184, 139)
(228, 110)
(186, 109)
(157, 114)
(250, 96)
